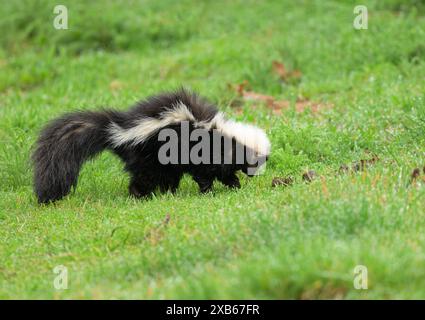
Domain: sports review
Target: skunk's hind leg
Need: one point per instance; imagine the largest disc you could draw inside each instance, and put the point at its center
(145, 179)
(231, 181)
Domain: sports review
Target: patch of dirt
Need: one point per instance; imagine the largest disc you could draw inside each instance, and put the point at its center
(301, 104)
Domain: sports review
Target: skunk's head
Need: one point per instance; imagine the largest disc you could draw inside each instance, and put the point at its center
(257, 151)
(252, 148)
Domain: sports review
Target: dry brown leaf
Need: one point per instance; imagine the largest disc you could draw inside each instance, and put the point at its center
(415, 175)
(286, 181)
(285, 75)
(239, 87)
(280, 69)
(309, 176)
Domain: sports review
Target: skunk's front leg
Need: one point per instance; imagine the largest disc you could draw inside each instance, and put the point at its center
(204, 183)
(141, 187)
(231, 180)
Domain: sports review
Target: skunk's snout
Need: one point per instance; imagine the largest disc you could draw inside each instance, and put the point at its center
(253, 169)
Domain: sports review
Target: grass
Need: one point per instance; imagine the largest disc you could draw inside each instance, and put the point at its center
(301, 241)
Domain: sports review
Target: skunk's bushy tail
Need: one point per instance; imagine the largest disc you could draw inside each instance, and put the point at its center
(63, 146)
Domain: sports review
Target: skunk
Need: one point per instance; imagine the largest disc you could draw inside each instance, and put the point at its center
(139, 137)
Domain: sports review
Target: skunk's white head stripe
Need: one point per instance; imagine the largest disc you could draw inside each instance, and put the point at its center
(248, 135)
(145, 127)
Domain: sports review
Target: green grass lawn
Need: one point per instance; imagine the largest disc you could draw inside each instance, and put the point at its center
(299, 242)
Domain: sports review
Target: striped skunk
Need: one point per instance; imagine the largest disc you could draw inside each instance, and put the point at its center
(138, 137)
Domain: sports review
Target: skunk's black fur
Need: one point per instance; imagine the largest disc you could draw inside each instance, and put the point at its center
(67, 142)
